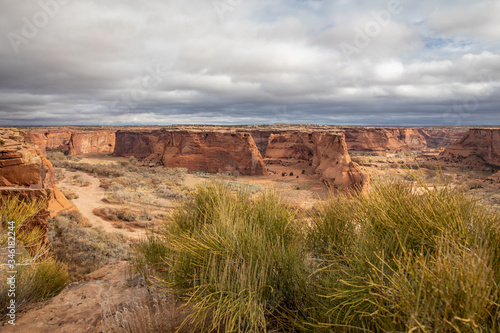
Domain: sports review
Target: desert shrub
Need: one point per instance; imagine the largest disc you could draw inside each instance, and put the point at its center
(69, 194)
(38, 276)
(237, 262)
(80, 180)
(59, 175)
(56, 156)
(407, 257)
(84, 249)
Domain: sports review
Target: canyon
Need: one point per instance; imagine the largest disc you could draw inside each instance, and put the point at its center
(246, 150)
(381, 140)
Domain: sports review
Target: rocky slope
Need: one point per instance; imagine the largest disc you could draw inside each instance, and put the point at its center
(326, 153)
(479, 148)
(220, 151)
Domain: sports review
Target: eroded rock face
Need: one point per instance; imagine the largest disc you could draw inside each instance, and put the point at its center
(383, 140)
(50, 139)
(74, 142)
(27, 175)
(25, 171)
(442, 137)
(92, 143)
(220, 151)
(479, 148)
(326, 151)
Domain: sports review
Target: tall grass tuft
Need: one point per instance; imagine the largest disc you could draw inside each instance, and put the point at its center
(38, 276)
(422, 259)
(239, 263)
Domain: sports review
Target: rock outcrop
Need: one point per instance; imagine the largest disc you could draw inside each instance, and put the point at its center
(221, 151)
(494, 179)
(479, 148)
(325, 151)
(26, 174)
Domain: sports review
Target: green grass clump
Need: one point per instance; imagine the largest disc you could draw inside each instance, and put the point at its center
(421, 259)
(238, 262)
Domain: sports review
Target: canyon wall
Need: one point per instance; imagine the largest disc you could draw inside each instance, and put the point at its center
(92, 143)
(74, 142)
(479, 148)
(383, 140)
(442, 137)
(218, 151)
(326, 153)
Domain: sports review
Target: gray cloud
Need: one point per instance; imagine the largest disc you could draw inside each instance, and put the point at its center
(125, 62)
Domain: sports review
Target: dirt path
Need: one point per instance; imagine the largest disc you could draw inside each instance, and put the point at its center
(90, 197)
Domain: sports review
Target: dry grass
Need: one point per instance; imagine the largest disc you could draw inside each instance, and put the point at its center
(38, 276)
(84, 249)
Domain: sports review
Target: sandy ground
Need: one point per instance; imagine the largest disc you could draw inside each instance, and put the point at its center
(90, 197)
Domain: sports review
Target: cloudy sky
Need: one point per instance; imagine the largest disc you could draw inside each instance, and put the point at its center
(357, 62)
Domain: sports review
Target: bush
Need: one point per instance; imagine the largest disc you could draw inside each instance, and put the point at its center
(80, 180)
(84, 249)
(238, 262)
(69, 194)
(407, 257)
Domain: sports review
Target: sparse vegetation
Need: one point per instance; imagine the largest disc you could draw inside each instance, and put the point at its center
(84, 249)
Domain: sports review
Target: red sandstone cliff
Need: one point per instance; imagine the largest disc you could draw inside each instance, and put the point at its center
(383, 140)
(220, 151)
(50, 139)
(74, 142)
(92, 143)
(479, 148)
(326, 151)
(442, 137)
(26, 174)
(24, 170)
